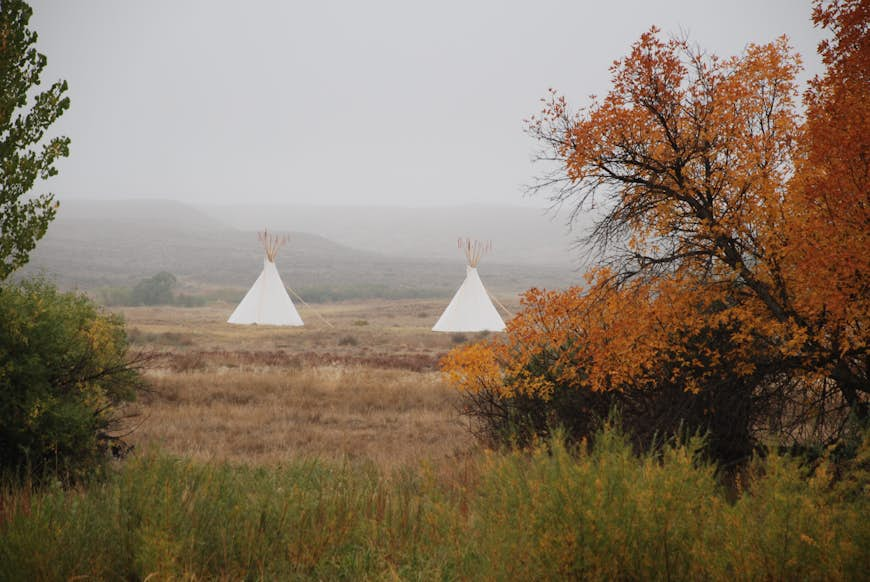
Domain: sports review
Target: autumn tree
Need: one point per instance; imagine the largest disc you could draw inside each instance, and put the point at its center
(828, 205)
(667, 355)
(24, 155)
(706, 173)
(732, 279)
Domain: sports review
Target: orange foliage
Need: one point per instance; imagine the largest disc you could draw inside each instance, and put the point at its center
(828, 204)
(735, 234)
(601, 340)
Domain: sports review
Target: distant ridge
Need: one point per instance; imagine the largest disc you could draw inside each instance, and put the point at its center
(520, 235)
(96, 243)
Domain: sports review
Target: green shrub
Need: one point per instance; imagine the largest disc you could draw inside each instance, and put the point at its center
(63, 370)
(156, 290)
(557, 513)
(186, 520)
(607, 514)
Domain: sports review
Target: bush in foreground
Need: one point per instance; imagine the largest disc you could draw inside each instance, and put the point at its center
(601, 513)
(63, 371)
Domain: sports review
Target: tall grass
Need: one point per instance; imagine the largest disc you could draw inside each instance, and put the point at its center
(601, 513)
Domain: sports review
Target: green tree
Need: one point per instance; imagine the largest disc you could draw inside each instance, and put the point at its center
(156, 290)
(24, 155)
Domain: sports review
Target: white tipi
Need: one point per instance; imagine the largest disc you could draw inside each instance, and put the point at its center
(471, 308)
(267, 302)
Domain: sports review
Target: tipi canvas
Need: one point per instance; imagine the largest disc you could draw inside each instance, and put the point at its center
(471, 309)
(267, 302)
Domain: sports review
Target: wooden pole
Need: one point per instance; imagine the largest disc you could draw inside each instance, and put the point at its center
(296, 295)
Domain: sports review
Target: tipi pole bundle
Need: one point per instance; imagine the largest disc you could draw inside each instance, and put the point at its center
(271, 243)
(474, 249)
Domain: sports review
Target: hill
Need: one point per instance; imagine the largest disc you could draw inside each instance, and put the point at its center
(116, 243)
(520, 235)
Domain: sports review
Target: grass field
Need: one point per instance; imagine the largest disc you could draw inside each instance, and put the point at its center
(552, 514)
(337, 453)
(364, 385)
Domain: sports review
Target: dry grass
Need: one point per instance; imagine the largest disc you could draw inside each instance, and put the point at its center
(380, 327)
(267, 395)
(275, 414)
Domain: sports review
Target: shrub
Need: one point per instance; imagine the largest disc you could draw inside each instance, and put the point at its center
(595, 512)
(570, 356)
(156, 290)
(603, 513)
(64, 369)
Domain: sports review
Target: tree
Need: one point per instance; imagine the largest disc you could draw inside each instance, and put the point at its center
(706, 176)
(829, 233)
(23, 219)
(156, 290)
(732, 289)
(670, 359)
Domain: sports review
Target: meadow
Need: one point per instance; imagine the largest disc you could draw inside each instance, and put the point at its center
(359, 381)
(552, 514)
(683, 394)
(336, 451)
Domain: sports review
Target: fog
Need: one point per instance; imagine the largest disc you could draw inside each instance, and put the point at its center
(344, 103)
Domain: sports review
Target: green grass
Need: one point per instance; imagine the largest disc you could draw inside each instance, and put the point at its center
(548, 514)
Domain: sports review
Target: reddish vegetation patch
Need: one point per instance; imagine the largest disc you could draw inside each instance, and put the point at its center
(199, 360)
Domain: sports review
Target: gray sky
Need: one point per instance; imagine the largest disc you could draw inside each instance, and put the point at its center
(356, 102)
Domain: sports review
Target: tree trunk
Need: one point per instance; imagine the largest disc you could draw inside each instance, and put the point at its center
(850, 385)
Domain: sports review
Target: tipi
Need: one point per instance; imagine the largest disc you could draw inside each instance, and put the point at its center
(267, 302)
(471, 308)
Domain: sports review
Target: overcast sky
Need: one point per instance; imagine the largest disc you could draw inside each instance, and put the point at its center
(357, 102)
